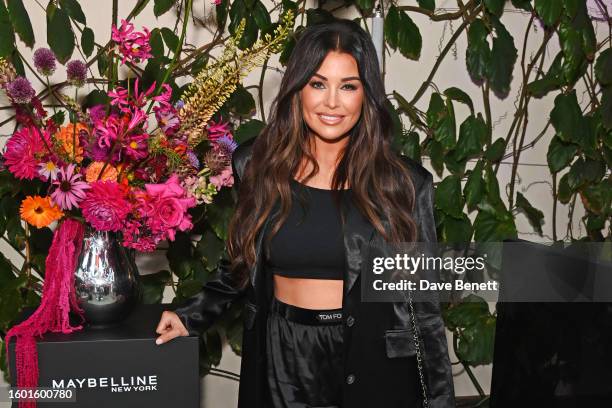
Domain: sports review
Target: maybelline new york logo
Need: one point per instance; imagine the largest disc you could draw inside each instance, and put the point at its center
(133, 383)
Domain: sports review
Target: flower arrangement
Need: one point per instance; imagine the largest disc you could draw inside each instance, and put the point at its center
(115, 166)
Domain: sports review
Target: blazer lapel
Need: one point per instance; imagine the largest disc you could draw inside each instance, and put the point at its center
(357, 232)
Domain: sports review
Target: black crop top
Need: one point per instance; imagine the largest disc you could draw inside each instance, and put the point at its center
(310, 243)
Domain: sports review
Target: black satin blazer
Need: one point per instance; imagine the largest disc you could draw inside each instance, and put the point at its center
(379, 348)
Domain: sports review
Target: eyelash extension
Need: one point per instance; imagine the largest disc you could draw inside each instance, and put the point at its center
(316, 84)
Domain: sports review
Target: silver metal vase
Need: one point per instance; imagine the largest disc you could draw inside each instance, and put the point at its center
(106, 279)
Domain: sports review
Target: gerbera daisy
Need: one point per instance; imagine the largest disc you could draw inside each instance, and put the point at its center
(69, 188)
(39, 211)
(48, 170)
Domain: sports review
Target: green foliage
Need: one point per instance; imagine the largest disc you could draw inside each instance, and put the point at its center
(21, 21)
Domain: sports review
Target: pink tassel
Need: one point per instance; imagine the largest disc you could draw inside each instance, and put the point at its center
(53, 313)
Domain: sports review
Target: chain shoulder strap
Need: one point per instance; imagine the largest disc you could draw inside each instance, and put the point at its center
(419, 356)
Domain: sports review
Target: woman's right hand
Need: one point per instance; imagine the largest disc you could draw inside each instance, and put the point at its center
(170, 326)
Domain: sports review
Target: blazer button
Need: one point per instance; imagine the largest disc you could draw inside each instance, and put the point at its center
(350, 321)
(350, 379)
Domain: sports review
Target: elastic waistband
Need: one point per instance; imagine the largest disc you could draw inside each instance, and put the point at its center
(311, 317)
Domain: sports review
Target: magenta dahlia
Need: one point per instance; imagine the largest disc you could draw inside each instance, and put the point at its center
(105, 205)
(21, 152)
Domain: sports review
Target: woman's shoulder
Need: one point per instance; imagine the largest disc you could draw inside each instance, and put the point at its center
(418, 173)
(241, 156)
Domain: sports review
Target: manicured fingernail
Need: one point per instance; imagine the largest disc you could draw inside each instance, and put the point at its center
(159, 341)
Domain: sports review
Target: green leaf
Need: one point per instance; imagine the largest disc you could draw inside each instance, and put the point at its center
(603, 67)
(7, 36)
(478, 52)
(287, 50)
(87, 41)
(436, 154)
(493, 225)
(210, 247)
(574, 61)
(221, 14)
(584, 172)
(472, 137)
(560, 154)
(598, 198)
(15, 59)
(157, 43)
(496, 151)
(448, 196)
(570, 6)
(503, 58)
(427, 4)
(152, 286)
(549, 11)
(441, 119)
(460, 96)
(188, 288)
(456, 230)
(566, 117)
(247, 130)
(365, 4)
(402, 33)
(170, 38)
(522, 4)
(492, 187)
(241, 102)
(535, 216)
(250, 33)
(606, 107)
(454, 164)
(73, 8)
(552, 80)
(261, 15)
(564, 193)
(495, 7)
(21, 21)
(474, 189)
(162, 6)
(95, 97)
(411, 146)
(60, 36)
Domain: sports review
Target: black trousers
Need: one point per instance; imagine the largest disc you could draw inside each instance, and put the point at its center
(304, 356)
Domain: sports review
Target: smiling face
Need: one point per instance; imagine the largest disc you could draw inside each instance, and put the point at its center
(333, 97)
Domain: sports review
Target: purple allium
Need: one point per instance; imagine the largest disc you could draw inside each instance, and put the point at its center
(44, 61)
(20, 90)
(226, 145)
(77, 72)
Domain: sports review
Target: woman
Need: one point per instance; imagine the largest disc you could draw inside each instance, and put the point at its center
(324, 183)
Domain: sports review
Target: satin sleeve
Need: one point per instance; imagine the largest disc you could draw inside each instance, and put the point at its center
(438, 369)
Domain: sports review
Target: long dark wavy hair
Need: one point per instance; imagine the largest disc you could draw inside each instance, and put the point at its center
(380, 183)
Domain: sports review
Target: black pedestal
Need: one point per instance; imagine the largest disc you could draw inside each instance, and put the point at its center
(119, 366)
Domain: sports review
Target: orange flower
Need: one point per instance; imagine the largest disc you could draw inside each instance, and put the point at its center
(94, 169)
(39, 211)
(64, 137)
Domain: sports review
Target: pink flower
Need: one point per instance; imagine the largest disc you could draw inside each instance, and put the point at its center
(137, 147)
(105, 206)
(22, 150)
(224, 179)
(133, 45)
(217, 129)
(69, 188)
(167, 206)
(217, 2)
(167, 119)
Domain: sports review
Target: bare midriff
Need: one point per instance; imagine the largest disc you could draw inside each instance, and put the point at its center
(309, 293)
